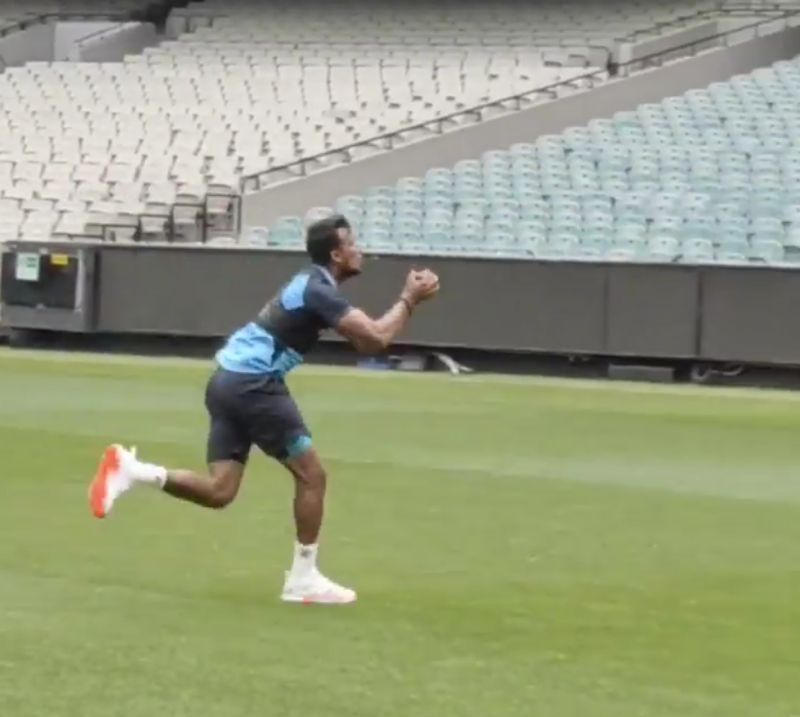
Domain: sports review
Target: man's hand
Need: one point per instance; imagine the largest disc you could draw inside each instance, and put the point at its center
(420, 286)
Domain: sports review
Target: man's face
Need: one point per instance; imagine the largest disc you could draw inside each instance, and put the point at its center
(347, 257)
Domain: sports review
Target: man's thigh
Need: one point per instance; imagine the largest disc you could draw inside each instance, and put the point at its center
(276, 425)
(228, 437)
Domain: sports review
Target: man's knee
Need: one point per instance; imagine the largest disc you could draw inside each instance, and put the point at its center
(223, 490)
(312, 476)
(221, 497)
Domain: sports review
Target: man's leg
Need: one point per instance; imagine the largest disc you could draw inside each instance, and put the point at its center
(227, 451)
(216, 490)
(309, 494)
(304, 582)
(120, 470)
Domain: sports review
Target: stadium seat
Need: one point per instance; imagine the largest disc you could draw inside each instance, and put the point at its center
(663, 183)
(259, 85)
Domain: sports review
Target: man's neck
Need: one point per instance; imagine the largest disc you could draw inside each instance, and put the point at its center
(330, 274)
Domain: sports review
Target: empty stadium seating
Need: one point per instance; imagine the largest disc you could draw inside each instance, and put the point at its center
(710, 176)
(584, 27)
(146, 147)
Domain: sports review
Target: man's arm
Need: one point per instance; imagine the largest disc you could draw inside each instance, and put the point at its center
(371, 336)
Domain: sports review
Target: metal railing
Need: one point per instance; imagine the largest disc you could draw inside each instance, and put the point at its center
(81, 41)
(67, 15)
(22, 24)
(386, 141)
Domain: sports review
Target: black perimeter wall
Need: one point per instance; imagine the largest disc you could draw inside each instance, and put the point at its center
(732, 314)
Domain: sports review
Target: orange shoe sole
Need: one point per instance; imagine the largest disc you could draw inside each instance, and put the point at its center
(99, 488)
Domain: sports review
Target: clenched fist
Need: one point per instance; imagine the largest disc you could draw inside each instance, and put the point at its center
(420, 286)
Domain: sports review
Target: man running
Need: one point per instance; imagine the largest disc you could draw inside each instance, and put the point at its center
(249, 403)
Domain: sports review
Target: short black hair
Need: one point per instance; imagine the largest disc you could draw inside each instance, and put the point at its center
(322, 237)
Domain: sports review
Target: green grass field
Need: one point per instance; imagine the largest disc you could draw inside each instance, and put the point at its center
(521, 548)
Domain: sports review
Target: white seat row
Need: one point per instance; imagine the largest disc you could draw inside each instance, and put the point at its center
(224, 122)
(292, 88)
(460, 13)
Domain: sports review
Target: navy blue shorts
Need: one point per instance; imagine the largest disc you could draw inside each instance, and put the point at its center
(247, 410)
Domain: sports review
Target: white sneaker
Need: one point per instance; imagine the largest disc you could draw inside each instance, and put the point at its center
(113, 478)
(316, 588)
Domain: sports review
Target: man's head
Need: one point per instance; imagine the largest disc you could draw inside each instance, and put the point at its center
(330, 243)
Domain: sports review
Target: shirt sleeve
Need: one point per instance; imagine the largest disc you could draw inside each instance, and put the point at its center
(326, 302)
